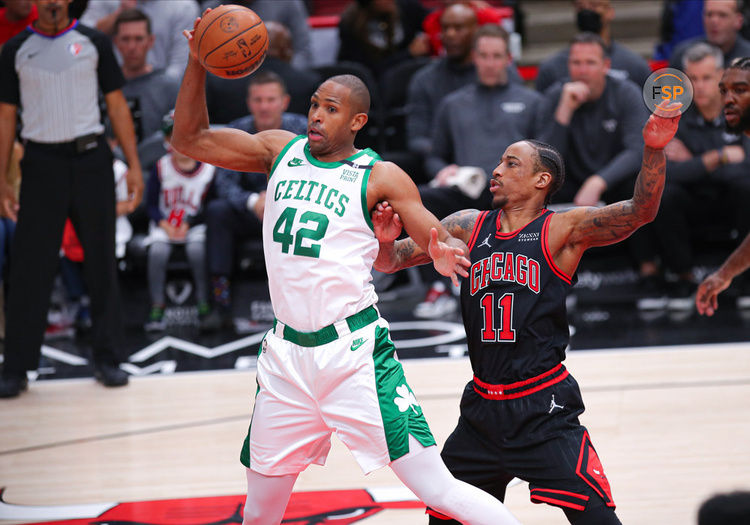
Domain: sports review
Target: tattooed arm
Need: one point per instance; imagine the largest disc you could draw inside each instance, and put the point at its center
(396, 255)
(572, 232)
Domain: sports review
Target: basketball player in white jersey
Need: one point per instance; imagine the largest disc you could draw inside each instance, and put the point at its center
(328, 364)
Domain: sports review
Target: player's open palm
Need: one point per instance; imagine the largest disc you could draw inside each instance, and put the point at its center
(449, 259)
(662, 125)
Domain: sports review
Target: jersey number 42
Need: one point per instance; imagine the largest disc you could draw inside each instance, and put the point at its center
(282, 232)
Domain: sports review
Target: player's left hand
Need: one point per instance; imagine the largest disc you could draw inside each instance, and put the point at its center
(662, 125)
(449, 259)
(134, 179)
(386, 223)
(706, 298)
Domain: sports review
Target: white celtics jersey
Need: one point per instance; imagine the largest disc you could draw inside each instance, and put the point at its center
(318, 238)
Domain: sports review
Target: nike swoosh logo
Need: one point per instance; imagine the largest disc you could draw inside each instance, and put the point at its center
(356, 344)
(294, 162)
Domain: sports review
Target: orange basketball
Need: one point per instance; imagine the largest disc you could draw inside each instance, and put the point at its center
(231, 41)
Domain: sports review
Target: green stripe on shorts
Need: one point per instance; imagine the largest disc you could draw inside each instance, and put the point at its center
(399, 408)
(245, 452)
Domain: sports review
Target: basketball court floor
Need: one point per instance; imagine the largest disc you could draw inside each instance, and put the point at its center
(667, 396)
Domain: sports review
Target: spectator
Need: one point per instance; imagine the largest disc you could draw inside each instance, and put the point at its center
(168, 19)
(291, 13)
(474, 124)
(680, 20)
(722, 21)
(382, 33)
(150, 93)
(67, 171)
(434, 81)
(227, 98)
(595, 16)
(706, 167)
(237, 211)
(14, 17)
(486, 14)
(177, 188)
(595, 121)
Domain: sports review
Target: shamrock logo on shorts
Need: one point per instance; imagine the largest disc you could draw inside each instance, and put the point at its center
(405, 399)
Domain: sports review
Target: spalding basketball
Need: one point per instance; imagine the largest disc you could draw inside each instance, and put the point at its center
(231, 41)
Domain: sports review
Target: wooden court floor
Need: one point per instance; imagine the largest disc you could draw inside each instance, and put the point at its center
(671, 425)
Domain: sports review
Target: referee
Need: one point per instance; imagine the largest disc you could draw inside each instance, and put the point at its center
(52, 72)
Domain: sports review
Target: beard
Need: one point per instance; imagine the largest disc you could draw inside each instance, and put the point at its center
(743, 124)
(499, 201)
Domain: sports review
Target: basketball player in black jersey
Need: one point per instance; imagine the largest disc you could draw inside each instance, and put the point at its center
(519, 414)
(735, 94)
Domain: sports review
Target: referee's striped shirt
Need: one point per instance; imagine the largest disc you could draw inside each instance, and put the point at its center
(55, 81)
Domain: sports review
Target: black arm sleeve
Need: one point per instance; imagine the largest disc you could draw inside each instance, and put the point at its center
(10, 91)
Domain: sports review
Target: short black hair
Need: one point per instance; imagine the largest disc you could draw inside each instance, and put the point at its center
(590, 38)
(548, 159)
(132, 15)
(742, 63)
(359, 94)
(267, 77)
(725, 509)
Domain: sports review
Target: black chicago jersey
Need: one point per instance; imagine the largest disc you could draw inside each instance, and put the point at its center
(513, 301)
(519, 414)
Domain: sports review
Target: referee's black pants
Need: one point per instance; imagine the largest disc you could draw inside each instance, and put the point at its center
(58, 183)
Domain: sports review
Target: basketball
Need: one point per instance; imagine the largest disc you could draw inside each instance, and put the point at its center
(231, 41)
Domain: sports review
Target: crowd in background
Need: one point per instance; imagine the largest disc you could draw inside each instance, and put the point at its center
(447, 99)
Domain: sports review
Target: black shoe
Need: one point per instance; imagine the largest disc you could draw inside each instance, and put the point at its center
(11, 386)
(110, 375)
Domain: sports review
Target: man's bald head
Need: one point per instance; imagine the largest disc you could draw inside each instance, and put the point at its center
(279, 41)
(359, 95)
(458, 24)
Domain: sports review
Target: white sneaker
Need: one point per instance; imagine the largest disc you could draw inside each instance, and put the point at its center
(438, 303)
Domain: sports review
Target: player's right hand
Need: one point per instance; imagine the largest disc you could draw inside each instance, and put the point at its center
(706, 298)
(449, 259)
(190, 33)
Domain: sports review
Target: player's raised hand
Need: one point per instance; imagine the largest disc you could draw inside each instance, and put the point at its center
(662, 125)
(386, 223)
(190, 33)
(706, 298)
(449, 259)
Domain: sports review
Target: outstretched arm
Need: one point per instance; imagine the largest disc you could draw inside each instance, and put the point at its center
(396, 255)
(224, 147)
(706, 299)
(581, 228)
